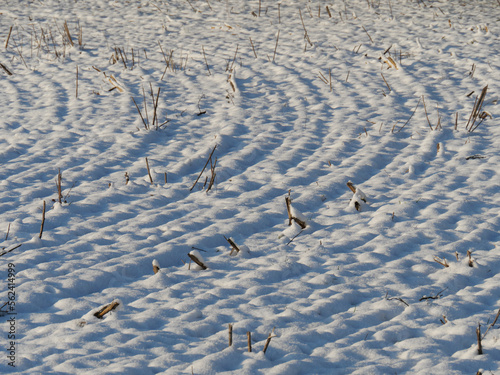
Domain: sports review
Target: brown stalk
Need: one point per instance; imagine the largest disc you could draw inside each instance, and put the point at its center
(323, 78)
(8, 37)
(496, 318)
(491, 325)
(145, 105)
(328, 11)
(389, 87)
(149, 171)
(410, 116)
(123, 59)
(5, 68)
(8, 251)
(206, 62)
(306, 35)
(351, 186)
(106, 309)
(330, 73)
(197, 261)
(426, 115)
(234, 58)
(471, 262)
(43, 220)
(253, 48)
(230, 327)
(439, 118)
(156, 269)
(268, 341)
(276, 47)
(192, 7)
(288, 202)
(367, 34)
(209, 159)
(397, 299)
(213, 175)
(479, 345)
(54, 44)
(80, 36)
(234, 247)
(249, 341)
(156, 108)
(442, 262)
(155, 105)
(59, 187)
(76, 95)
(68, 35)
(140, 114)
(476, 111)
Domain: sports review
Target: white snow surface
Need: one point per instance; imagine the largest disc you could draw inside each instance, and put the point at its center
(296, 97)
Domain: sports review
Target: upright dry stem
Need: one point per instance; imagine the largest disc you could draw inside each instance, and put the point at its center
(43, 221)
(149, 172)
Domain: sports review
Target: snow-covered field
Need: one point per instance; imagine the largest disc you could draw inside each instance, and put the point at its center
(278, 100)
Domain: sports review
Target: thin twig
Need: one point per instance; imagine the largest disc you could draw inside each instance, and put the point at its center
(149, 171)
(76, 95)
(209, 158)
(6, 69)
(367, 34)
(43, 221)
(8, 231)
(395, 298)
(276, 47)
(306, 35)
(492, 324)
(389, 87)
(59, 187)
(479, 345)
(268, 341)
(8, 251)
(294, 237)
(253, 48)
(145, 105)
(206, 62)
(234, 247)
(106, 309)
(8, 37)
(426, 115)
(411, 115)
(443, 262)
(249, 341)
(234, 58)
(140, 114)
(197, 261)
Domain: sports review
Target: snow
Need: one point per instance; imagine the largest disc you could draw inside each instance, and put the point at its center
(275, 99)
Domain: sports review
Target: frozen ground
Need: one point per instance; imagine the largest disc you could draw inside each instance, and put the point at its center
(297, 98)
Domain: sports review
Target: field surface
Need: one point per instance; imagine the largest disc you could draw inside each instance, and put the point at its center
(176, 132)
